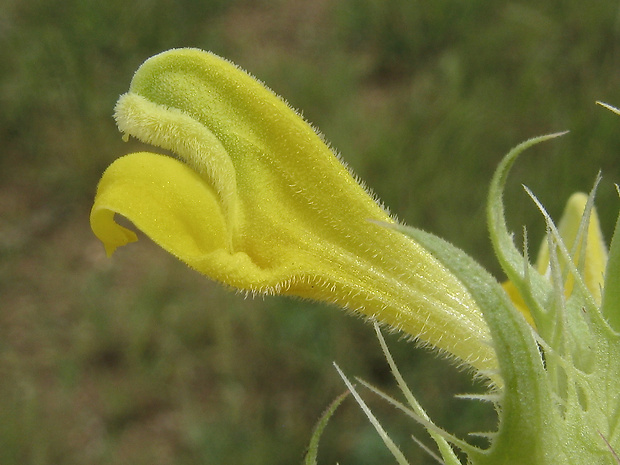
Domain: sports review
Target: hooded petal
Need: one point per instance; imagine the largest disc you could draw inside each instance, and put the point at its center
(262, 204)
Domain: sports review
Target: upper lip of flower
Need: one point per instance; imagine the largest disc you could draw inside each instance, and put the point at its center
(271, 209)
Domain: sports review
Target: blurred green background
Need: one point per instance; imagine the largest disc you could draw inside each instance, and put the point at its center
(139, 360)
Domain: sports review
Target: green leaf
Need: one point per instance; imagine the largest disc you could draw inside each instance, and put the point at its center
(536, 291)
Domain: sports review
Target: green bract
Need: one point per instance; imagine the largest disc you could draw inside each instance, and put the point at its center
(560, 401)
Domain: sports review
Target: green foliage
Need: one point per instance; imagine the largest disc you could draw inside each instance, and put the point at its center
(611, 301)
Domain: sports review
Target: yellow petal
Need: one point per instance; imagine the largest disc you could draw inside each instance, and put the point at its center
(162, 197)
(518, 301)
(264, 205)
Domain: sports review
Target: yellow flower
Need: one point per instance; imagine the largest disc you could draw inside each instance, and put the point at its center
(592, 263)
(257, 200)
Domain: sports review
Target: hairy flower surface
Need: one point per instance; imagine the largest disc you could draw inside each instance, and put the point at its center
(257, 200)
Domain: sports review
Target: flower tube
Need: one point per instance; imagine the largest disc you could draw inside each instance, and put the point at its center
(255, 199)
